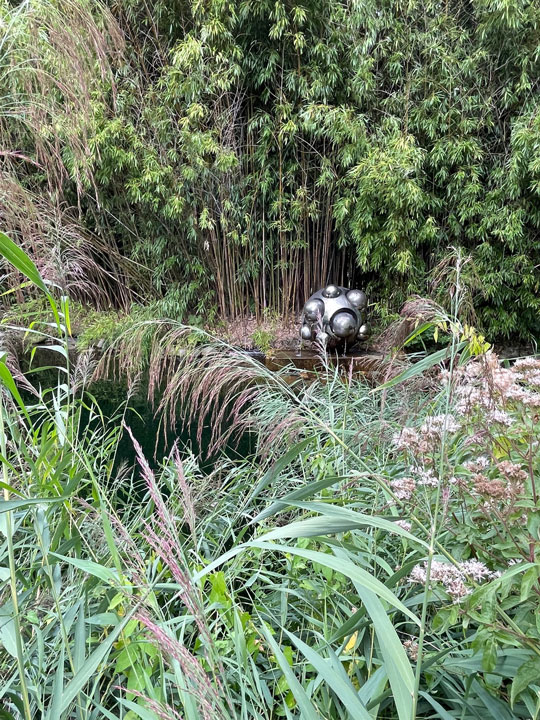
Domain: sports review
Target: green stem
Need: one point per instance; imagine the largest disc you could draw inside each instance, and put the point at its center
(433, 531)
(13, 579)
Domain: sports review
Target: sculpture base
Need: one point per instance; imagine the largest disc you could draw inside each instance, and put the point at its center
(360, 361)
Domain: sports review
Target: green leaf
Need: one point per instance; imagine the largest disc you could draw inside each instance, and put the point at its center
(396, 662)
(336, 681)
(303, 492)
(489, 653)
(495, 707)
(7, 379)
(345, 567)
(11, 505)
(274, 472)
(528, 673)
(420, 367)
(442, 713)
(92, 568)
(91, 664)
(138, 710)
(20, 260)
(8, 638)
(302, 700)
(336, 519)
(530, 577)
(5, 715)
(53, 712)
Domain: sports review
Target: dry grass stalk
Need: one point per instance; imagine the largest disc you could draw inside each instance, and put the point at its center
(54, 58)
(68, 256)
(415, 311)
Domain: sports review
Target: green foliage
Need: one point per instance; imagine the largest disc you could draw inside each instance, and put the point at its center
(263, 339)
(100, 328)
(248, 152)
(374, 561)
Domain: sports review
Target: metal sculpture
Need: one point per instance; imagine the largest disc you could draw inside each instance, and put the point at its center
(335, 317)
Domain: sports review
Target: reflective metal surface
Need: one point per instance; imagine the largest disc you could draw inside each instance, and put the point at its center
(335, 317)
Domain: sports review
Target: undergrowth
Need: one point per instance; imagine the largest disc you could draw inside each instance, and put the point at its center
(376, 556)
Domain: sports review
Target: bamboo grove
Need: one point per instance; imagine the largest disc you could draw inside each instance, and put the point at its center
(229, 156)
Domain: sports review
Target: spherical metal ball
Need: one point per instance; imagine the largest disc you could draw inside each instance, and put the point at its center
(343, 324)
(363, 332)
(331, 291)
(314, 309)
(357, 298)
(306, 333)
(334, 317)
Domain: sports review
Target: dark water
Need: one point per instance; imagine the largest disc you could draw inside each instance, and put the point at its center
(155, 438)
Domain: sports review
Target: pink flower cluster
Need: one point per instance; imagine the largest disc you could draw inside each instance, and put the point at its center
(512, 471)
(426, 477)
(453, 577)
(427, 437)
(403, 488)
(404, 525)
(477, 465)
(528, 369)
(508, 484)
(484, 384)
(411, 648)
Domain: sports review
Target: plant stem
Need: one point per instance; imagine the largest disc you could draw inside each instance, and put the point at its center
(12, 576)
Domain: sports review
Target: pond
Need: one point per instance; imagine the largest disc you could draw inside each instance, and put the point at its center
(155, 439)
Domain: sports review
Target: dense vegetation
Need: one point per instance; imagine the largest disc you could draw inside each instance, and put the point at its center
(169, 167)
(247, 151)
(375, 557)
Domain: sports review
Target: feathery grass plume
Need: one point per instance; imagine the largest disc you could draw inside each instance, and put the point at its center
(84, 266)
(457, 273)
(198, 684)
(163, 712)
(203, 379)
(163, 537)
(414, 312)
(206, 382)
(56, 67)
(55, 62)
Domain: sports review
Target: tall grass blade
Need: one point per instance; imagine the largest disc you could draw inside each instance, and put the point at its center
(335, 680)
(21, 262)
(420, 367)
(83, 676)
(273, 473)
(304, 704)
(345, 567)
(336, 517)
(305, 491)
